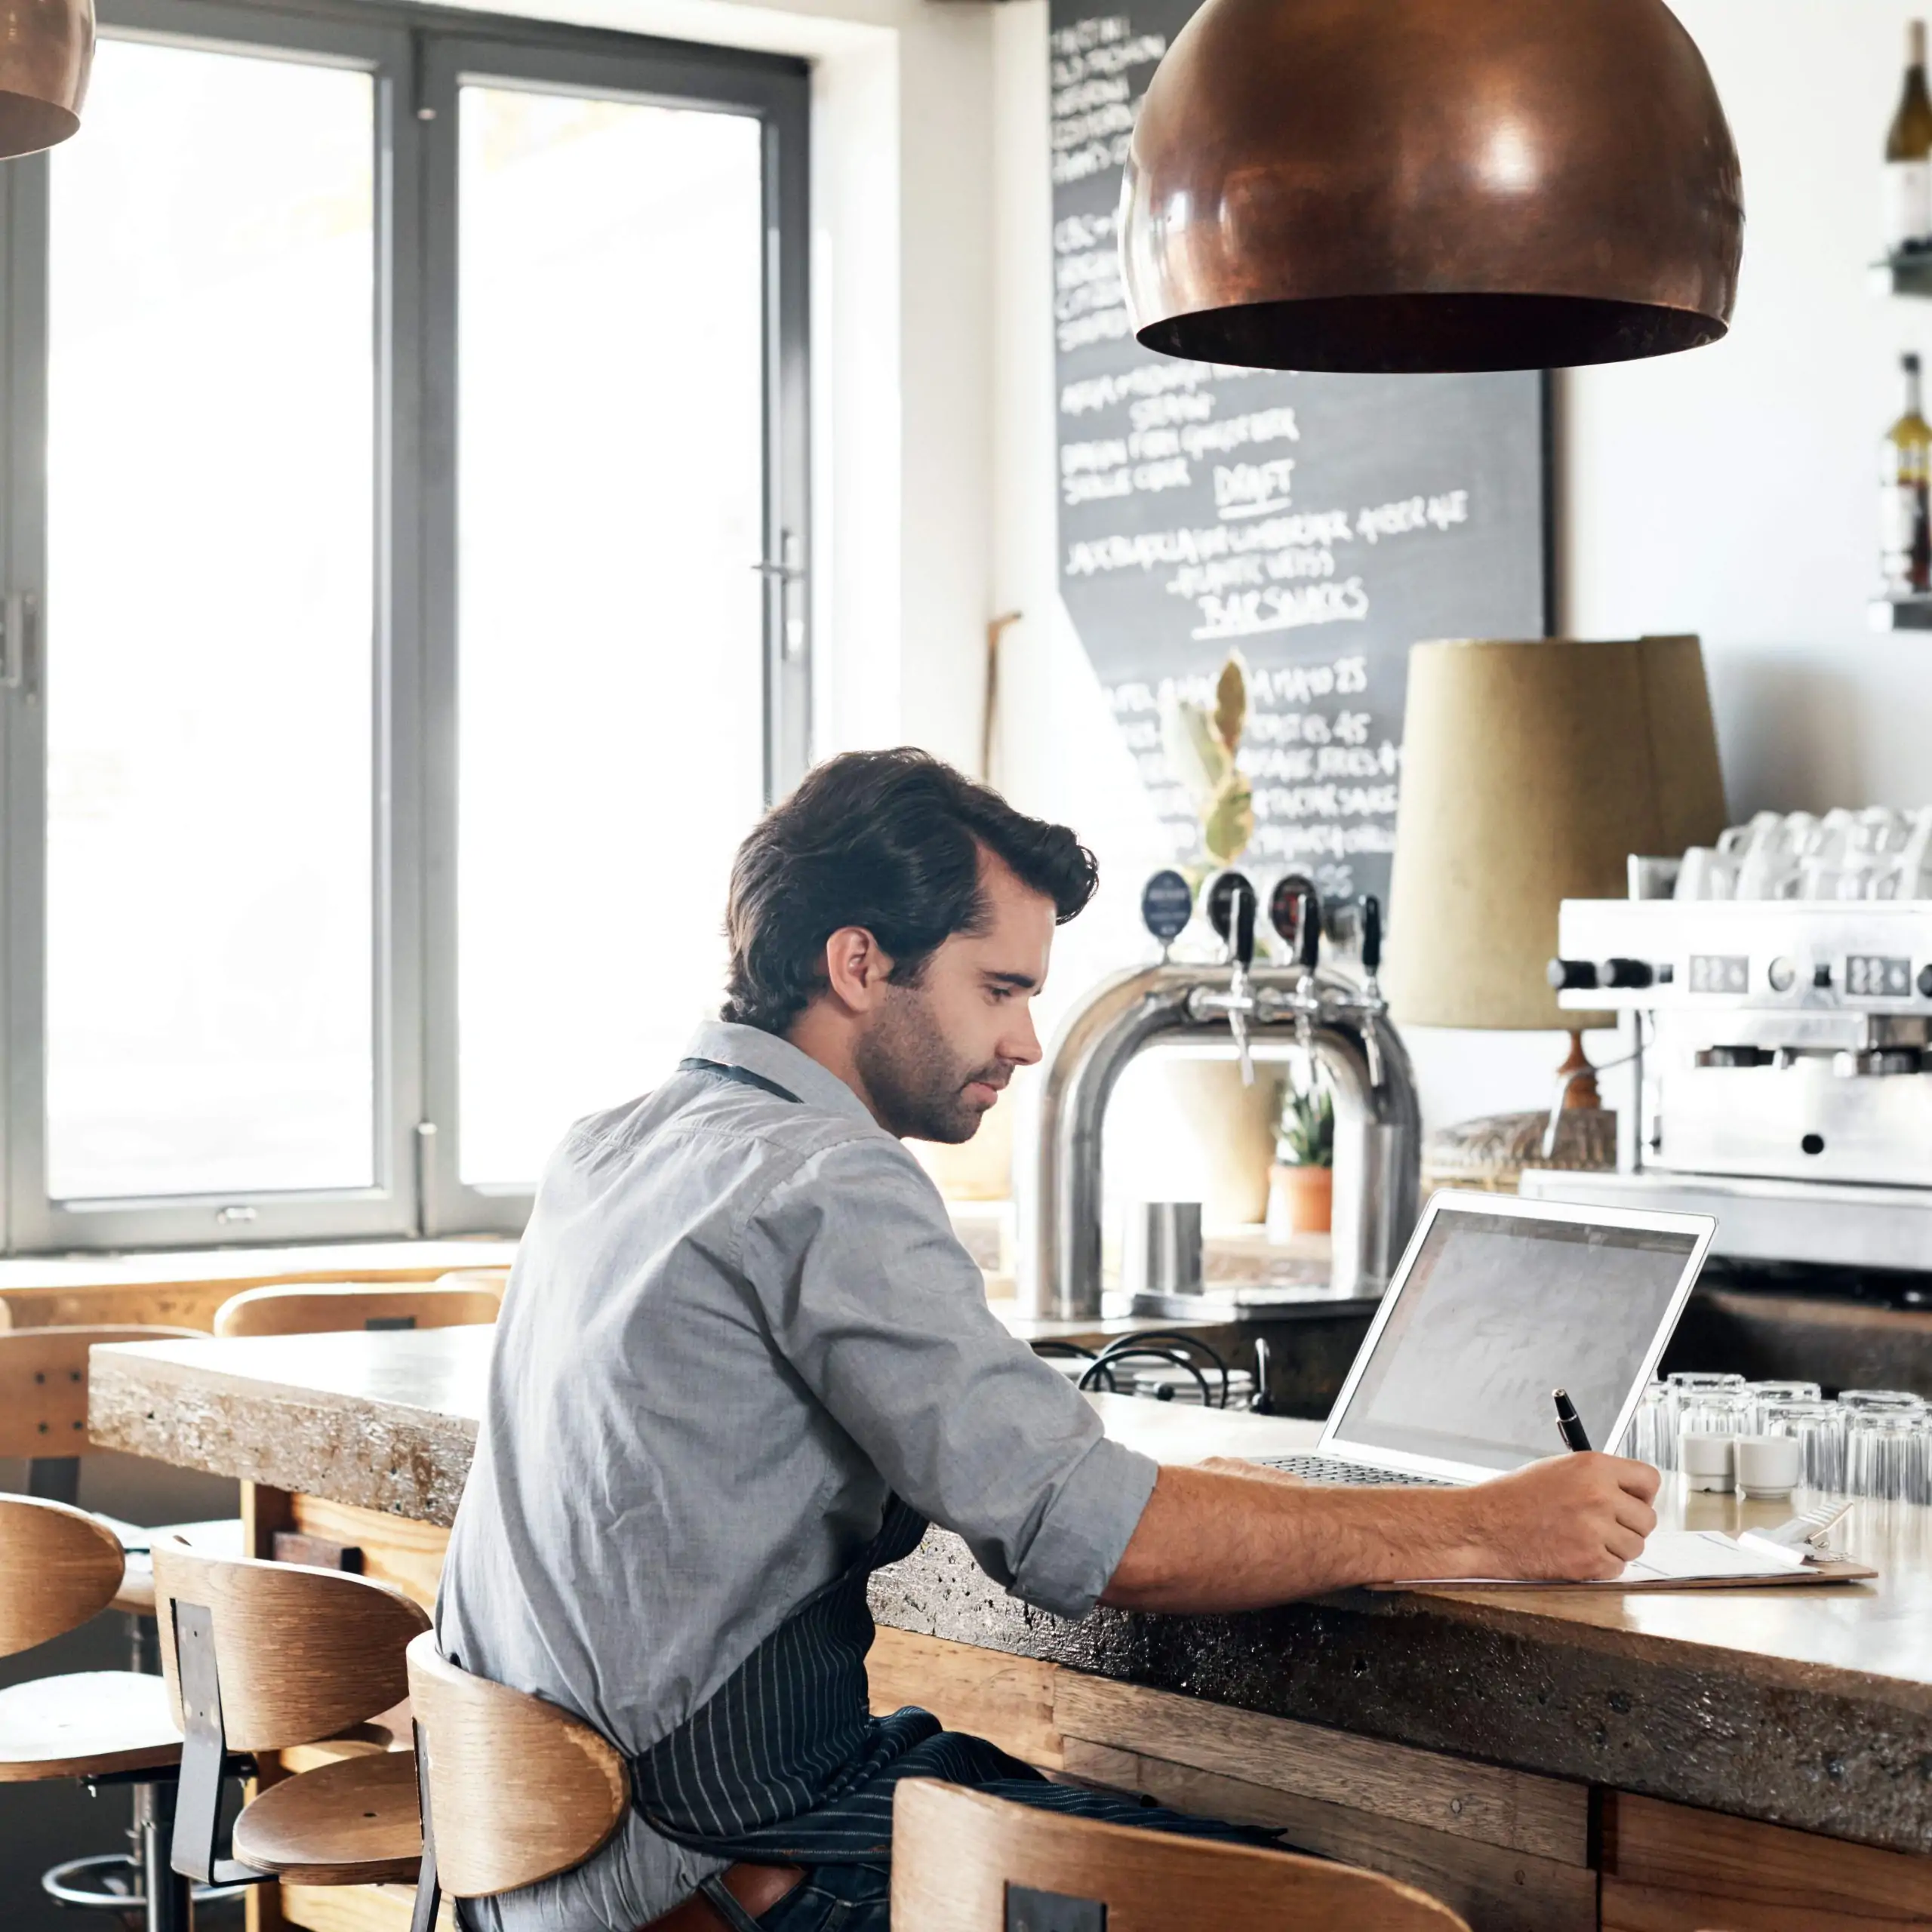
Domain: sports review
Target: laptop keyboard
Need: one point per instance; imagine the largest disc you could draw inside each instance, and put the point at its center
(1332, 1470)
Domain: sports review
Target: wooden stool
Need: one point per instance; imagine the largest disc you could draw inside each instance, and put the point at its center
(961, 1860)
(263, 1657)
(59, 1566)
(514, 1789)
(328, 1307)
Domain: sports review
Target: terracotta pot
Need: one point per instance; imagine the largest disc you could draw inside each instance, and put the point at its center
(1309, 1196)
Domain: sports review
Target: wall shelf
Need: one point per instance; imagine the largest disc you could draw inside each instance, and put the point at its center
(1904, 275)
(1901, 614)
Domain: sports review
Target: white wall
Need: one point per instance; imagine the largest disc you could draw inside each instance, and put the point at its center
(1730, 491)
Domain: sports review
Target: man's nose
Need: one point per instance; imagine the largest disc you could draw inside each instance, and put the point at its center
(1023, 1049)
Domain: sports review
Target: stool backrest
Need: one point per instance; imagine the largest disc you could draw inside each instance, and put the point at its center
(44, 1384)
(59, 1566)
(324, 1308)
(301, 1654)
(518, 1790)
(954, 1851)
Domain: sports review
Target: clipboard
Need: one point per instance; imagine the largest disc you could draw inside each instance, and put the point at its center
(1839, 1570)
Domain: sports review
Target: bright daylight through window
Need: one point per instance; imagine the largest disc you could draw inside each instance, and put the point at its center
(210, 481)
(611, 672)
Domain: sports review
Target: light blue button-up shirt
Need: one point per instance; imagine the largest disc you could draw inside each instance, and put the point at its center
(736, 1323)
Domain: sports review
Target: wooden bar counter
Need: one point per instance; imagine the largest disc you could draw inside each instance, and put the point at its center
(1542, 1759)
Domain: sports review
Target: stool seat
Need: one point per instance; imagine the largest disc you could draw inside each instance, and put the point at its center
(89, 1723)
(221, 1537)
(354, 1822)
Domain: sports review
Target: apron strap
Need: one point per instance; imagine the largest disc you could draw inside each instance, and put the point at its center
(743, 1075)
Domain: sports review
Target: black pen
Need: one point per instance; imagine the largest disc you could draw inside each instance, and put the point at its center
(1569, 1424)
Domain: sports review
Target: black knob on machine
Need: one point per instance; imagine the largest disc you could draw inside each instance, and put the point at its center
(1571, 975)
(1294, 910)
(1231, 907)
(1633, 973)
(1371, 935)
(1925, 982)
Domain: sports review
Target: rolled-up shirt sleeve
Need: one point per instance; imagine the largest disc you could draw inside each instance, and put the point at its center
(882, 1313)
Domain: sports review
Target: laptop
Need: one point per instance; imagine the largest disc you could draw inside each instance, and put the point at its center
(1497, 1303)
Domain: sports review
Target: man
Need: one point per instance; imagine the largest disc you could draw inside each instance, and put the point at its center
(742, 1361)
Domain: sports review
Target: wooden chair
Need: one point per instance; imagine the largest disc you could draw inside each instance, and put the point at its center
(327, 1307)
(960, 1861)
(262, 1656)
(44, 1418)
(59, 1566)
(514, 1789)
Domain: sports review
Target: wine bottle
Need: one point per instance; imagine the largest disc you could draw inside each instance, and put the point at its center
(1908, 156)
(1905, 510)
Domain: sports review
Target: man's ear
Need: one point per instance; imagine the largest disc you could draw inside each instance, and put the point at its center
(856, 968)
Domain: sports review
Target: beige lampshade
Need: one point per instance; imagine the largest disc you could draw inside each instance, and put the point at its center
(1530, 771)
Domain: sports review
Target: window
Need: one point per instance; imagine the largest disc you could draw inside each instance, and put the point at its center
(404, 622)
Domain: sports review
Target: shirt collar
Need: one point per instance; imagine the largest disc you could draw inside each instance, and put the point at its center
(760, 1052)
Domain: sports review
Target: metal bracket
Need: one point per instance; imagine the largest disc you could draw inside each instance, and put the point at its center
(18, 615)
(428, 1890)
(204, 1757)
(1029, 1911)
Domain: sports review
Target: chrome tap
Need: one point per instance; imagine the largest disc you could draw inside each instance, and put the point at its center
(1344, 1028)
(1231, 912)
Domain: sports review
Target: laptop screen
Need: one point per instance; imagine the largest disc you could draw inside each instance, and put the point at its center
(1499, 1310)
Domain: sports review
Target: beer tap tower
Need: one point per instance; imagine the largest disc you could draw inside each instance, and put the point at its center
(1339, 1024)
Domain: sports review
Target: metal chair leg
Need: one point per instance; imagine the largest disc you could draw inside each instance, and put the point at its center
(170, 1896)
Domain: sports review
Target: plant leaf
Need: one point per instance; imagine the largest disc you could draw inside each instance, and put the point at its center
(1229, 823)
(1195, 755)
(1231, 702)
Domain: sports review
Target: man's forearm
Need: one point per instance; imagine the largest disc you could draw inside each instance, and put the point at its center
(1209, 1541)
(1215, 1539)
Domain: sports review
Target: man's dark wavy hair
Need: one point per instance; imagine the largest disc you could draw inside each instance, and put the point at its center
(889, 840)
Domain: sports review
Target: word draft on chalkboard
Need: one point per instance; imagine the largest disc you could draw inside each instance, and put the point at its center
(1319, 524)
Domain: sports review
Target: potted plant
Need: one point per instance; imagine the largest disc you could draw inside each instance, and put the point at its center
(1302, 1183)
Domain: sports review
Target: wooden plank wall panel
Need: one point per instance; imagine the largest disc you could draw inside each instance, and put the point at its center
(395, 1549)
(1497, 1891)
(1006, 1700)
(358, 1907)
(1668, 1868)
(1543, 1817)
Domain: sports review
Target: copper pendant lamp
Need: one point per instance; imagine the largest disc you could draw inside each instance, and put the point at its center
(46, 49)
(1431, 184)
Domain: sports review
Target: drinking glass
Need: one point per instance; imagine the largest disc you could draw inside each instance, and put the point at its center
(1716, 1412)
(1820, 1429)
(1683, 1386)
(1764, 1394)
(1649, 1439)
(1887, 1452)
(1880, 1401)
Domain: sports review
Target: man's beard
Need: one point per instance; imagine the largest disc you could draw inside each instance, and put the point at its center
(917, 1087)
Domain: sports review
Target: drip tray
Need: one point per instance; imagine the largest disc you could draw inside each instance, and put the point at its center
(1254, 1301)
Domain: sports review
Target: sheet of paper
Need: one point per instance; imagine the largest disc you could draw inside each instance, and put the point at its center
(1680, 1555)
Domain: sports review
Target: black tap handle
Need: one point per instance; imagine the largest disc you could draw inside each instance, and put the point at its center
(1294, 910)
(1371, 934)
(1231, 904)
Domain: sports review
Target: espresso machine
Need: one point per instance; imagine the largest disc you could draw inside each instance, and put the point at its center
(1776, 1056)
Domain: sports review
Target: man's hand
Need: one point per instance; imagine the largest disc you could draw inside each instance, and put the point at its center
(1569, 1519)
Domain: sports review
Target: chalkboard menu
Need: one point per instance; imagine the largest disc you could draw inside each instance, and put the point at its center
(1320, 525)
